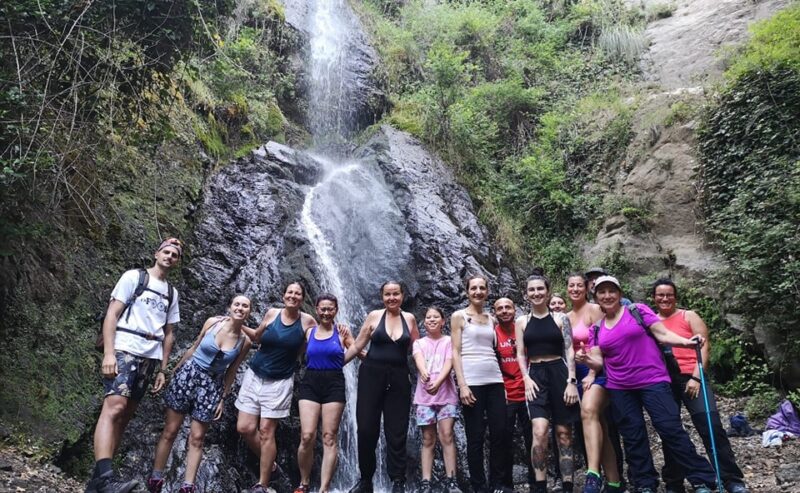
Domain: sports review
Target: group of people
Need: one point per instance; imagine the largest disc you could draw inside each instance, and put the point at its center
(550, 372)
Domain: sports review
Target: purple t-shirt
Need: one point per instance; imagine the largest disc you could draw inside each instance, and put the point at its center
(436, 352)
(631, 357)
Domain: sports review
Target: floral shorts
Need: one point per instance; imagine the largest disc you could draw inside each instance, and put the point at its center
(195, 391)
(428, 415)
(135, 374)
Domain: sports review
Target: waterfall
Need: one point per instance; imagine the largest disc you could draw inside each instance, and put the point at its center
(349, 217)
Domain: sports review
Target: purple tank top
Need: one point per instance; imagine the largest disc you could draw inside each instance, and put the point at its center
(325, 354)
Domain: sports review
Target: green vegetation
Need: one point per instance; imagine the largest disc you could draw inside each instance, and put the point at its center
(522, 98)
(106, 108)
(749, 145)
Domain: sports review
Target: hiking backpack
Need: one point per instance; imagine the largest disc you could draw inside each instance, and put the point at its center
(141, 287)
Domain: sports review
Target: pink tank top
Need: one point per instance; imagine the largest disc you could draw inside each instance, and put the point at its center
(580, 333)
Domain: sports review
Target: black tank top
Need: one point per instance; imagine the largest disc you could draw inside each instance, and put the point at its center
(542, 337)
(384, 350)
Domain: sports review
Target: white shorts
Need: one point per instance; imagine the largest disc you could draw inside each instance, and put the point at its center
(265, 397)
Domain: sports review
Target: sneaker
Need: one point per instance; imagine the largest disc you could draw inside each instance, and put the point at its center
(398, 486)
(188, 488)
(558, 485)
(108, 483)
(257, 488)
(302, 488)
(154, 485)
(737, 488)
(425, 486)
(593, 484)
(614, 489)
(363, 486)
(701, 489)
(451, 485)
(674, 488)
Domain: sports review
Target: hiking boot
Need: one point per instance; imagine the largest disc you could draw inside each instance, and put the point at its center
(398, 486)
(701, 489)
(188, 488)
(425, 486)
(154, 485)
(593, 484)
(737, 488)
(108, 483)
(363, 486)
(451, 485)
(302, 488)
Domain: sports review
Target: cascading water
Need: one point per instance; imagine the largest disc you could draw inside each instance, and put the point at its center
(349, 216)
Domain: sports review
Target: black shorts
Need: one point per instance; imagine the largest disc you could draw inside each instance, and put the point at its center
(551, 378)
(322, 386)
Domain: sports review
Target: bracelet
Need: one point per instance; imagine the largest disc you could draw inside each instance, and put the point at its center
(696, 379)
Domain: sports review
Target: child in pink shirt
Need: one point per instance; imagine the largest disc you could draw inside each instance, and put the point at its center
(436, 399)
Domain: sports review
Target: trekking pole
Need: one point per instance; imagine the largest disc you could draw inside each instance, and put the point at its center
(708, 416)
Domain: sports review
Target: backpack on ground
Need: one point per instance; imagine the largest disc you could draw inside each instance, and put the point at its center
(141, 287)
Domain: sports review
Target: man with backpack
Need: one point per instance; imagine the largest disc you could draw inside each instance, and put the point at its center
(137, 339)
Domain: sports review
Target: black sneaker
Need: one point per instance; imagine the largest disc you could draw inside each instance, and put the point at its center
(398, 486)
(451, 485)
(425, 486)
(108, 483)
(363, 486)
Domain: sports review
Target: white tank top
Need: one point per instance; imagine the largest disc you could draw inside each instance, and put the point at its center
(478, 358)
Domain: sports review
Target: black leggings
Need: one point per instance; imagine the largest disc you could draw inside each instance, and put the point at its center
(383, 389)
(490, 401)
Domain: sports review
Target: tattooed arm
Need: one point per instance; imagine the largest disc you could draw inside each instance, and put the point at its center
(571, 392)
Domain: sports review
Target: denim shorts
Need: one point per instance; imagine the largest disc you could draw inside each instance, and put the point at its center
(135, 374)
(428, 415)
(195, 391)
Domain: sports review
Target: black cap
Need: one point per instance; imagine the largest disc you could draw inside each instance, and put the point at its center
(599, 271)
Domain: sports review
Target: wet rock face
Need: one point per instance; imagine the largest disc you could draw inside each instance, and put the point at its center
(447, 241)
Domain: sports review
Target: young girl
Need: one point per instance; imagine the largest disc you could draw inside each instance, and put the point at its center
(203, 378)
(436, 399)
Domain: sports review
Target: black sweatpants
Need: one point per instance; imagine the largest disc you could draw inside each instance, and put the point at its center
(490, 402)
(673, 473)
(517, 413)
(383, 389)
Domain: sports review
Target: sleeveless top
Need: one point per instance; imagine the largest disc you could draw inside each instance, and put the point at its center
(580, 334)
(276, 359)
(210, 357)
(383, 349)
(542, 337)
(686, 357)
(478, 359)
(324, 354)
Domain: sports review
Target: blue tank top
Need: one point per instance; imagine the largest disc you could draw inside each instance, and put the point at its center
(210, 357)
(325, 354)
(276, 359)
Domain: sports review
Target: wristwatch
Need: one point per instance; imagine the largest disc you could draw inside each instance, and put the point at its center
(572, 380)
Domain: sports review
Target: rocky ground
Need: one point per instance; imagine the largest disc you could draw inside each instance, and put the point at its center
(766, 470)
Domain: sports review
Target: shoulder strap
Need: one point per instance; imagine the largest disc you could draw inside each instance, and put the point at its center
(170, 293)
(638, 317)
(596, 330)
(141, 285)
